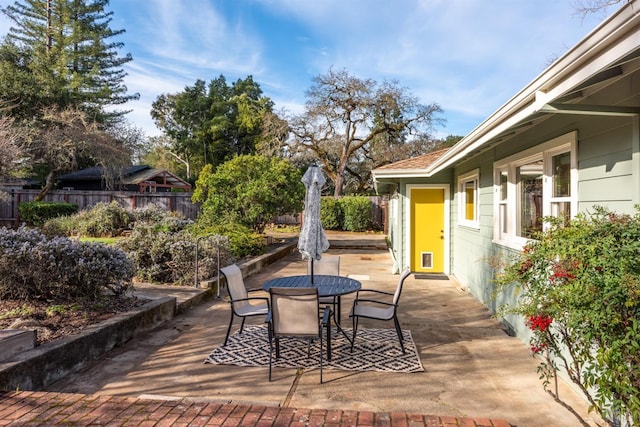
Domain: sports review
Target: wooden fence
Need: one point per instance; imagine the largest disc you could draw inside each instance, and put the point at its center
(175, 202)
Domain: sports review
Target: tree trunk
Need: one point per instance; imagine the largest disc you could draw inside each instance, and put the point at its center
(339, 185)
(48, 186)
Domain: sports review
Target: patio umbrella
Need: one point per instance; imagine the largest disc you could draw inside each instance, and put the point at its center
(312, 241)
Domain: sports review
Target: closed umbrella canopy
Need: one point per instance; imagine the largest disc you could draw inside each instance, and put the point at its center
(312, 241)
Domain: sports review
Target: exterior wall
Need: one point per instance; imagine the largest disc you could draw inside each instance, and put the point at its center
(472, 249)
(608, 175)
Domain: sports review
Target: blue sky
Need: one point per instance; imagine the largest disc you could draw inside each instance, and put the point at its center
(469, 56)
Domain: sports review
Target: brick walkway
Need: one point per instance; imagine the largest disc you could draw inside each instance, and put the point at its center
(46, 409)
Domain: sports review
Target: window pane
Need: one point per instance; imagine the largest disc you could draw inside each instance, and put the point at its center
(529, 179)
(503, 185)
(503, 219)
(470, 200)
(562, 175)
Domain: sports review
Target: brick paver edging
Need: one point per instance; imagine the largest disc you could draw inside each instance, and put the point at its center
(28, 408)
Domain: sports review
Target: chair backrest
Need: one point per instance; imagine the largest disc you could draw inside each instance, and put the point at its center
(405, 273)
(235, 285)
(294, 311)
(327, 265)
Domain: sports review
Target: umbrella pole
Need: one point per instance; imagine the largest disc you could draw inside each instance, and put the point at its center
(312, 270)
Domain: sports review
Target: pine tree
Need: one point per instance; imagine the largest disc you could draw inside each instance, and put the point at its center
(61, 53)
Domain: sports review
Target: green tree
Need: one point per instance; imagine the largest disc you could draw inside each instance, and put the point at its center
(159, 152)
(62, 76)
(250, 190)
(350, 121)
(211, 123)
(60, 53)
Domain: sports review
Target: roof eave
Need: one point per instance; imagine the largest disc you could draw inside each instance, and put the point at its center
(585, 59)
(399, 173)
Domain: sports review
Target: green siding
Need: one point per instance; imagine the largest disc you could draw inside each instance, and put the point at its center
(606, 176)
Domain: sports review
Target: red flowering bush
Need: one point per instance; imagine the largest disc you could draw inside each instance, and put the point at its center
(579, 292)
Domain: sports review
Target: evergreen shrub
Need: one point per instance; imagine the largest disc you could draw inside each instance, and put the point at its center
(33, 266)
(37, 213)
(101, 220)
(331, 213)
(357, 213)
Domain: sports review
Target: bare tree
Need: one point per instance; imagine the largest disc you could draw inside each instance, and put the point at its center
(348, 119)
(586, 7)
(63, 138)
(11, 153)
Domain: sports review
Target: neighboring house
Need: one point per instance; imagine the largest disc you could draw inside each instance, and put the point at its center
(141, 178)
(566, 142)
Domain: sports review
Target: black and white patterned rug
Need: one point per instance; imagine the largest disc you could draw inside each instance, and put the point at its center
(374, 350)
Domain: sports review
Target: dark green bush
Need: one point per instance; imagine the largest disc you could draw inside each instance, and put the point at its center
(357, 213)
(331, 213)
(37, 213)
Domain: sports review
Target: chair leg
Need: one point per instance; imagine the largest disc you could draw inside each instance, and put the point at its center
(328, 342)
(355, 328)
(242, 325)
(399, 331)
(321, 351)
(270, 351)
(226, 338)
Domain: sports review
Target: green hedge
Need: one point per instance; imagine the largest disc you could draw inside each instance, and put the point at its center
(331, 214)
(37, 213)
(357, 213)
(351, 213)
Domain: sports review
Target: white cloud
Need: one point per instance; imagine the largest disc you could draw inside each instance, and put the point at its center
(469, 56)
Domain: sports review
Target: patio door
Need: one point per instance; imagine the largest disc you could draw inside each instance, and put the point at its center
(428, 232)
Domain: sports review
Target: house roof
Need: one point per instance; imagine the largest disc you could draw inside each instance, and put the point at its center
(137, 175)
(414, 164)
(97, 172)
(606, 59)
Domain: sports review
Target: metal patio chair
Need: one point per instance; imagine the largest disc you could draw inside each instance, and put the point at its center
(378, 308)
(327, 265)
(242, 305)
(295, 313)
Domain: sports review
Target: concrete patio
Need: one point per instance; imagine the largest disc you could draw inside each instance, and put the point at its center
(472, 367)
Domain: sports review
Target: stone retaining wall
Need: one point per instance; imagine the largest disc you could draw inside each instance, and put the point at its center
(45, 364)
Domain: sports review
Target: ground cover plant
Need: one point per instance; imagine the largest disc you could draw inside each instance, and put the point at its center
(578, 287)
(160, 243)
(58, 285)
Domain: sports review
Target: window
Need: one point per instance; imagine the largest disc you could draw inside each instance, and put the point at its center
(468, 213)
(528, 187)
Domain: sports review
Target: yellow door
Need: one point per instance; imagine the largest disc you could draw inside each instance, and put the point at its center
(427, 230)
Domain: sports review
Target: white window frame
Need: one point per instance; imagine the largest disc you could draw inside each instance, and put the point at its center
(505, 230)
(474, 177)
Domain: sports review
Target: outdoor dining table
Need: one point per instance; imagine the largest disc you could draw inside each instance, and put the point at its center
(328, 286)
